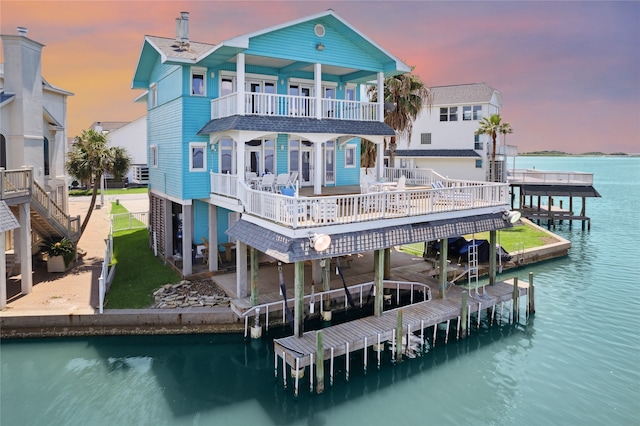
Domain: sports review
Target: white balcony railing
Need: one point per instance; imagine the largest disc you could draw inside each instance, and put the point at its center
(542, 177)
(270, 104)
(307, 212)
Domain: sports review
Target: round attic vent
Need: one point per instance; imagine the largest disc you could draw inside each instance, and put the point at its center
(319, 30)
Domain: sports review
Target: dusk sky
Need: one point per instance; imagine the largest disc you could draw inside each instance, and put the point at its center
(569, 72)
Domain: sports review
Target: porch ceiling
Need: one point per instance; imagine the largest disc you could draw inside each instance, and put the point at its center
(289, 250)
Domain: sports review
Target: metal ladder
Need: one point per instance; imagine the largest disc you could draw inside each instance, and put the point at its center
(472, 262)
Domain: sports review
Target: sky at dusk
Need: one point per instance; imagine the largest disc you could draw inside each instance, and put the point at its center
(569, 72)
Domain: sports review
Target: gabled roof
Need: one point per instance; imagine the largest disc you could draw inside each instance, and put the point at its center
(276, 55)
(448, 153)
(464, 94)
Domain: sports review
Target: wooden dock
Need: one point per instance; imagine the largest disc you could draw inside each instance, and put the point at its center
(343, 339)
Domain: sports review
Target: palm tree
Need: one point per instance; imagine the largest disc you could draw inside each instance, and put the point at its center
(91, 158)
(493, 126)
(408, 94)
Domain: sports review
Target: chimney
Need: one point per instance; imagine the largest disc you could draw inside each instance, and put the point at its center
(22, 31)
(182, 29)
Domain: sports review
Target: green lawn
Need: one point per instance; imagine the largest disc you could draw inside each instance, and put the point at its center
(510, 239)
(82, 192)
(138, 272)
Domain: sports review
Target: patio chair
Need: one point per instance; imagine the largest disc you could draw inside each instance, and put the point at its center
(266, 184)
(282, 181)
(293, 177)
(289, 211)
(399, 199)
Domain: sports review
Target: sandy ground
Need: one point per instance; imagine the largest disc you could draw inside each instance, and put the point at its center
(75, 292)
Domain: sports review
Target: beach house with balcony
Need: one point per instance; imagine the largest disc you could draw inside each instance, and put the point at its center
(33, 179)
(254, 147)
(443, 137)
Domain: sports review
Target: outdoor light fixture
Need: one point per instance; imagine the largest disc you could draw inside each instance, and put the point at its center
(320, 47)
(319, 242)
(511, 216)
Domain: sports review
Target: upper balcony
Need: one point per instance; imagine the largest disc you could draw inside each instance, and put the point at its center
(545, 177)
(270, 104)
(426, 194)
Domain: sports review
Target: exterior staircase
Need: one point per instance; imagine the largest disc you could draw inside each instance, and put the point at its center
(49, 219)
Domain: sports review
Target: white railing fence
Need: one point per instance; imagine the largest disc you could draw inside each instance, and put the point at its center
(107, 273)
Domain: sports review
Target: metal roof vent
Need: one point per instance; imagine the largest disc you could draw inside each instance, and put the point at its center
(22, 31)
(182, 31)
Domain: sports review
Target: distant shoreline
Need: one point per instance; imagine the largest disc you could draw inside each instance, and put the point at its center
(567, 154)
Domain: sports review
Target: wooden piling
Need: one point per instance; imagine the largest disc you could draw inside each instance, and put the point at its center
(463, 314)
(515, 302)
(399, 337)
(532, 300)
(254, 276)
(319, 362)
(298, 310)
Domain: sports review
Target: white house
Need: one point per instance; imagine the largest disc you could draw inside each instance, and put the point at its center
(443, 136)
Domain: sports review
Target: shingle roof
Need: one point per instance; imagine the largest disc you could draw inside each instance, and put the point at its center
(559, 191)
(5, 97)
(296, 125)
(7, 220)
(461, 93)
(291, 250)
(171, 49)
(451, 153)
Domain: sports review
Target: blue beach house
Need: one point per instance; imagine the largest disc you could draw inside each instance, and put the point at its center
(254, 146)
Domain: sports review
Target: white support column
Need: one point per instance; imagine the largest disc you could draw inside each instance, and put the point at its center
(213, 238)
(3, 271)
(241, 269)
(26, 270)
(319, 166)
(187, 239)
(240, 80)
(380, 161)
(317, 80)
(381, 97)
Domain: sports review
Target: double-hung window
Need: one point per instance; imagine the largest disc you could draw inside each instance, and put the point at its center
(198, 156)
(449, 114)
(198, 81)
(349, 156)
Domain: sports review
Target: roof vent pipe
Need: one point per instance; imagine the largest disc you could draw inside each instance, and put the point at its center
(22, 31)
(182, 28)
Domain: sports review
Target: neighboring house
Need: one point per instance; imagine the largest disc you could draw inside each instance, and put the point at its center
(33, 182)
(133, 137)
(285, 100)
(443, 136)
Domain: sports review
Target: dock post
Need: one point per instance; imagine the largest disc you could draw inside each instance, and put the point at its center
(326, 279)
(254, 276)
(444, 249)
(399, 337)
(331, 368)
(346, 362)
(532, 300)
(365, 355)
(515, 301)
(378, 256)
(310, 373)
(378, 349)
(298, 326)
(463, 314)
(319, 362)
(492, 257)
(387, 263)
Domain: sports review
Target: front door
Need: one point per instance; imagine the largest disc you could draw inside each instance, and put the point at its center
(306, 164)
(329, 163)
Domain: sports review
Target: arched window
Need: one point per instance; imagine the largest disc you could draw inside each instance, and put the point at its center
(45, 148)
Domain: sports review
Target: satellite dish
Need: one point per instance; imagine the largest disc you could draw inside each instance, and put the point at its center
(320, 242)
(512, 217)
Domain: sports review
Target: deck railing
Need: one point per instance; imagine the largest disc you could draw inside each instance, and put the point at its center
(308, 212)
(363, 291)
(271, 104)
(15, 183)
(545, 177)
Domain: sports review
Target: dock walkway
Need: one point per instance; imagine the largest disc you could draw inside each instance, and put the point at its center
(342, 339)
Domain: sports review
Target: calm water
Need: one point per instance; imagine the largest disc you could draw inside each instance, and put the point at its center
(575, 362)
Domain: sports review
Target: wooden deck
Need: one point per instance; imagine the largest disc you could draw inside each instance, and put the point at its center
(299, 352)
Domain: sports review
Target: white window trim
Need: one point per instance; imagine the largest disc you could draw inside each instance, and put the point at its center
(192, 146)
(198, 70)
(153, 151)
(153, 94)
(350, 147)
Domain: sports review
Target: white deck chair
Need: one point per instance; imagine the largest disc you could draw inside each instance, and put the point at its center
(399, 197)
(293, 177)
(266, 184)
(282, 181)
(325, 211)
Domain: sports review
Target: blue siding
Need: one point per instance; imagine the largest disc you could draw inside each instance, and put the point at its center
(351, 175)
(165, 131)
(200, 221)
(282, 154)
(196, 113)
(223, 224)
